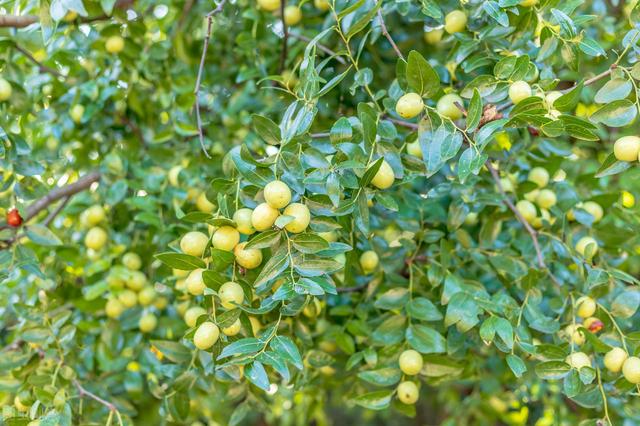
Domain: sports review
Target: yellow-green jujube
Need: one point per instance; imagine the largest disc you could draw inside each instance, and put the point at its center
(409, 105)
(132, 261)
(269, 5)
(574, 333)
(233, 329)
(203, 204)
(242, 218)
(174, 175)
(93, 215)
(113, 308)
(447, 107)
(585, 242)
(433, 36)
(128, 298)
(539, 176)
(192, 314)
(147, 323)
(631, 369)
(594, 209)
(627, 148)
(277, 194)
(614, 359)
(292, 15)
(369, 261)
(586, 307)
(230, 293)
(194, 243)
(249, 258)
(263, 217)
(114, 44)
(76, 113)
(414, 149)
(322, 5)
(136, 280)
(146, 296)
(96, 238)
(518, 91)
(578, 360)
(410, 362)
(195, 283)
(546, 199)
(408, 392)
(301, 217)
(528, 3)
(384, 177)
(628, 199)
(455, 21)
(527, 210)
(313, 308)
(225, 238)
(206, 335)
(5, 90)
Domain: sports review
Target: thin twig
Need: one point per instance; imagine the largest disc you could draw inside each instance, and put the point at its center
(285, 39)
(322, 47)
(56, 211)
(41, 66)
(383, 27)
(351, 289)
(82, 392)
(207, 36)
(15, 21)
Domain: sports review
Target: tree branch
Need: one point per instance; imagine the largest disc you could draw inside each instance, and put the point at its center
(16, 21)
(383, 27)
(203, 58)
(41, 66)
(322, 47)
(285, 39)
(57, 193)
(353, 289)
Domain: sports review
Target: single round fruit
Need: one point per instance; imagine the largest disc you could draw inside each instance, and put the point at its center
(527, 210)
(301, 217)
(146, 296)
(322, 5)
(206, 335)
(263, 217)
(433, 36)
(408, 392)
(147, 323)
(614, 359)
(528, 3)
(631, 369)
(518, 91)
(128, 298)
(136, 281)
(225, 238)
(194, 243)
(384, 177)
(277, 194)
(627, 148)
(113, 308)
(96, 238)
(455, 21)
(174, 175)
(414, 149)
(539, 176)
(410, 362)
(471, 219)
(192, 314)
(13, 218)
(161, 302)
(269, 5)
(203, 204)
(446, 106)
(409, 105)
(132, 261)
(114, 44)
(230, 293)
(242, 218)
(628, 200)
(256, 325)
(576, 336)
(5, 90)
(20, 406)
(94, 215)
(233, 329)
(594, 209)
(586, 307)
(248, 259)
(369, 261)
(578, 360)
(76, 113)
(583, 243)
(292, 15)
(195, 283)
(313, 308)
(593, 324)
(546, 199)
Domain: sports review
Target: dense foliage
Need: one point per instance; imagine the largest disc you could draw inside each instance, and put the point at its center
(383, 211)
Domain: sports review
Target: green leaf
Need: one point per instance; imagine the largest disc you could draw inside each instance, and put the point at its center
(285, 347)
(613, 90)
(378, 400)
(264, 239)
(181, 261)
(569, 100)
(248, 345)
(612, 166)
(274, 267)
(517, 365)
(462, 311)
(382, 377)
(493, 10)
(40, 234)
(423, 309)
(309, 243)
(267, 129)
(615, 114)
(369, 174)
(425, 339)
(552, 370)
(174, 351)
(626, 304)
(474, 113)
(421, 77)
(257, 375)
